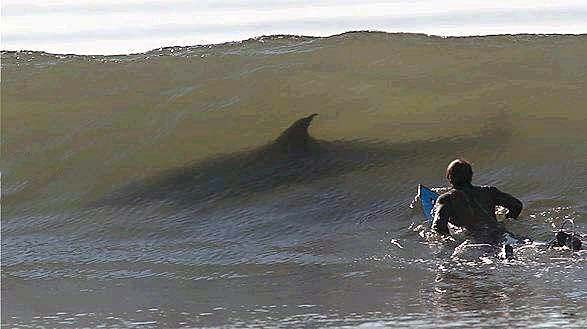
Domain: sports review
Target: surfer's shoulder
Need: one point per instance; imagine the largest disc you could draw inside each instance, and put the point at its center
(446, 197)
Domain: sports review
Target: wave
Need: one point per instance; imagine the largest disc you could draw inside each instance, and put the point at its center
(201, 128)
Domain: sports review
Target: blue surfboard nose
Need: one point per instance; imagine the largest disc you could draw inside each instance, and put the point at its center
(427, 199)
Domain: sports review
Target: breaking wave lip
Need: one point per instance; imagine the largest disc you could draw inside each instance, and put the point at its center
(270, 44)
(293, 44)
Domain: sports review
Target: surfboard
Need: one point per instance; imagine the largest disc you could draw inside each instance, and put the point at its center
(427, 199)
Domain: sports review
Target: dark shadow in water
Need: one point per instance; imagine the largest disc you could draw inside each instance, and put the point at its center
(296, 157)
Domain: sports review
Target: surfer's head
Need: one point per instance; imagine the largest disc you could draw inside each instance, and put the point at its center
(459, 173)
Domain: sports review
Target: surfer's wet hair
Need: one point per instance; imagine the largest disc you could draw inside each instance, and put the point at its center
(459, 172)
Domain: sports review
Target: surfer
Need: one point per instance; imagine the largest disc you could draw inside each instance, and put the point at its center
(473, 207)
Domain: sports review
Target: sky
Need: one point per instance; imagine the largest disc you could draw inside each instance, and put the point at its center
(103, 27)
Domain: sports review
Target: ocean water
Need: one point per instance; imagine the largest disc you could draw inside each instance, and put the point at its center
(149, 190)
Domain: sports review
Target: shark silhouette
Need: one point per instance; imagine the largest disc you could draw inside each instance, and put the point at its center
(294, 157)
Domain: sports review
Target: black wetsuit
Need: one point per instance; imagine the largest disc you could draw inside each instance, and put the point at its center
(473, 208)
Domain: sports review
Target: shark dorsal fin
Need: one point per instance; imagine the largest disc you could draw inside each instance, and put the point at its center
(295, 139)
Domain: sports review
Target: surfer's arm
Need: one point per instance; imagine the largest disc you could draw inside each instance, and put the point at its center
(441, 216)
(512, 204)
